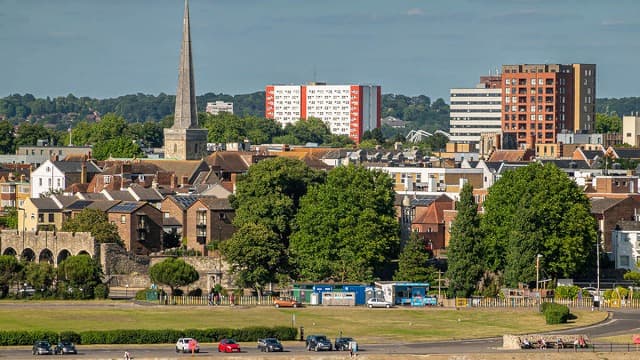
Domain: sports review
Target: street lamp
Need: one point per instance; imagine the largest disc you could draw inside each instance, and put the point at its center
(538, 274)
(126, 290)
(598, 271)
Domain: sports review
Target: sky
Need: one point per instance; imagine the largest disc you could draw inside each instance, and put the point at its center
(104, 49)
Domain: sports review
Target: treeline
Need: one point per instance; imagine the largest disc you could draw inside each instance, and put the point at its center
(620, 107)
(62, 112)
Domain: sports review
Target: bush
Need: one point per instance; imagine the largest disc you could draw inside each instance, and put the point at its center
(555, 313)
(195, 292)
(101, 291)
(142, 295)
(159, 336)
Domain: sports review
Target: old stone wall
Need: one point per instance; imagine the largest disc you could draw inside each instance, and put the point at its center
(211, 269)
(115, 260)
(48, 246)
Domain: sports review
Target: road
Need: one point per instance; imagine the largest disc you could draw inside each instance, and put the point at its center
(620, 322)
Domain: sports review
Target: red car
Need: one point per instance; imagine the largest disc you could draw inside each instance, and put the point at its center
(228, 345)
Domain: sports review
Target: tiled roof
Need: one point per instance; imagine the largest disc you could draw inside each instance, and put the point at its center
(146, 194)
(216, 204)
(103, 205)
(591, 154)
(600, 205)
(127, 207)
(512, 155)
(76, 166)
(183, 201)
(170, 221)
(45, 204)
(229, 161)
(91, 196)
(567, 163)
(181, 168)
(118, 195)
(78, 205)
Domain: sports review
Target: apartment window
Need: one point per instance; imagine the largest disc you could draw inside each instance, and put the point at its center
(507, 81)
(59, 182)
(123, 219)
(533, 81)
(533, 117)
(40, 218)
(540, 81)
(507, 100)
(51, 218)
(507, 90)
(624, 260)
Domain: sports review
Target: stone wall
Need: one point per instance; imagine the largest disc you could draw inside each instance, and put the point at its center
(115, 260)
(208, 269)
(42, 244)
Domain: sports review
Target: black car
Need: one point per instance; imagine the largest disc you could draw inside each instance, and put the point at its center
(318, 343)
(269, 345)
(65, 347)
(41, 347)
(342, 343)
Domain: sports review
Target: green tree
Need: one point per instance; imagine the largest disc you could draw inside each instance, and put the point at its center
(311, 130)
(10, 218)
(346, 228)
(608, 123)
(95, 222)
(78, 276)
(29, 134)
(118, 147)
(7, 139)
(111, 126)
(632, 276)
(174, 273)
(40, 275)
(534, 210)
(413, 262)
(270, 193)
(10, 272)
(465, 247)
(255, 254)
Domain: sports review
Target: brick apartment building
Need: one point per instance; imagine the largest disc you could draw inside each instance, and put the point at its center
(541, 100)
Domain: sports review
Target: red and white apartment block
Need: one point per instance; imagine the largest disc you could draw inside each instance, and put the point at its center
(346, 109)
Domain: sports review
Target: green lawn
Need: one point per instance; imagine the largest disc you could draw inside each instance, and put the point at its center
(370, 325)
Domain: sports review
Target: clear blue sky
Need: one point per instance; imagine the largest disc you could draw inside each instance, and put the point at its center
(103, 48)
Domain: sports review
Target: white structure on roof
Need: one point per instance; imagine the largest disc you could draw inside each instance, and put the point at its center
(215, 108)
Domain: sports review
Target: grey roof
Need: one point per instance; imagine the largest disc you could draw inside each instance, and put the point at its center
(170, 221)
(103, 205)
(76, 166)
(45, 204)
(600, 205)
(146, 194)
(213, 203)
(92, 196)
(78, 205)
(416, 200)
(183, 201)
(627, 153)
(119, 195)
(591, 154)
(567, 163)
(127, 207)
(65, 200)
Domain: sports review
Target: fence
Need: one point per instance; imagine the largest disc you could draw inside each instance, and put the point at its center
(221, 300)
(526, 302)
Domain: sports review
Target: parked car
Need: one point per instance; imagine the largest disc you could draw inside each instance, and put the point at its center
(41, 347)
(377, 302)
(228, 345)
(286, 302)
(65, 347)
(318, 343)
(269, 345)
(184, 345)
(342, 343)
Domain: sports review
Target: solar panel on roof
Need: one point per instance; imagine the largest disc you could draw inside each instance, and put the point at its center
(125, 207)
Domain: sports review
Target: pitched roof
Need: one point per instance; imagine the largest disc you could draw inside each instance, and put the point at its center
(126, 207)
(512, 155)
(213, 203)
(183, 201)
(78, 205)
(118, 195)
(600, 205)
(91, 196)
(627, 153)
(45, 204)
(145, 194)
(170, 221)
(76, 166)
(230, 161)
(103, 205)
(567, 163)
(181, 168)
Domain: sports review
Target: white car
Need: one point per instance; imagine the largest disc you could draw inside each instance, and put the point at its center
(183, 345)
(377, 302)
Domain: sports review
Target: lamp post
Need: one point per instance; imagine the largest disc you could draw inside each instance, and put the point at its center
(24, 226)
(538, 274)
(126, 290)
(598, 271)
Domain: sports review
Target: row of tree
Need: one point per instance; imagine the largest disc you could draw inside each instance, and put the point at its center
(76, 277)
(534, 213)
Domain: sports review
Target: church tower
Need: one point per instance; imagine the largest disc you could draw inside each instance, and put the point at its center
(185, 140)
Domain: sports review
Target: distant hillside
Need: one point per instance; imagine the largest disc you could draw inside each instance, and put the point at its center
(418, 111)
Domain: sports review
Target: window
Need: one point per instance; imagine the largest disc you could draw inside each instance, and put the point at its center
(107, 179)
(59, 182)
(40, 181)
(123, 219)
(624, 261)
(51, 218)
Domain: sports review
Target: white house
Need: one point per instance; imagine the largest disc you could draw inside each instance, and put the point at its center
(55, 176)
(626, 248)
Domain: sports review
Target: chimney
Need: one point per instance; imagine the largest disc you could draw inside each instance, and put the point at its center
(174, 180)
(184, 181)
(83, 171)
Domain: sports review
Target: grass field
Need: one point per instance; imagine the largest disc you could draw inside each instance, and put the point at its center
(370, 325)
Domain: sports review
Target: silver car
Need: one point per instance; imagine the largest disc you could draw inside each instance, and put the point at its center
(378, 302)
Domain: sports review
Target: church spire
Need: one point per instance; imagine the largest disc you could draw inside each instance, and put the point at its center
(185, 113)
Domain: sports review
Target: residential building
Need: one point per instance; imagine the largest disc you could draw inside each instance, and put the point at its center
(631, 130)
(541, 100)
(608, 211)
(208, 220)
(430, 180)
(139, 226)
(55, 176)
(215, 108)
(429, 221)
(346, 109)
(36, 155)
(474, 111)
(13, 192)
(625, 239)
(43, 213)
(185, 140)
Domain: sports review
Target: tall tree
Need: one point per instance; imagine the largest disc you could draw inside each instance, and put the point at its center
(40, 275)
(412, 265)
(78, 276)
(118, 147)
(10, 271)
(95, 222)
(29, 134)
(534, 210)
(255, 254)
(7, 139)
(346, 228)
(174, 273)
(608, 123)
(465, 247)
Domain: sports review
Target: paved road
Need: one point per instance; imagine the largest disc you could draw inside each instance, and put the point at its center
(620, 322)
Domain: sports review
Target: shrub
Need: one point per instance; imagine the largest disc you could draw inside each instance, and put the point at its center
(141, 295)
(101, 291)
(555, 313)
(195, 292)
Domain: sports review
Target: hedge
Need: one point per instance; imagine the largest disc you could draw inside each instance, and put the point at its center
(555, 313)
(143, 336)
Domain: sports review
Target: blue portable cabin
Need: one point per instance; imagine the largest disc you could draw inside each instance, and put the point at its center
(406, 293)
(359, 290)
